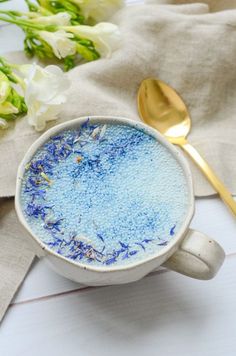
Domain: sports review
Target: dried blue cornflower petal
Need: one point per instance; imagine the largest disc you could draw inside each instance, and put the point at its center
(98, 256)
(64, 151)
(56, 138)
(118, 252)
(172, 230)
(110, 260)
(123, 245)
(38, 194)
(51, 148)
(69, 141)
(141, 245)
(164, 243)
(103, 249)
(85, 124)
(53, 225)
(126, 255)
(52, 244)
(40, 165)
(132, 253)
(100, 237)
(146, 241)
(36, 210)
(80, 255)
(35, 182)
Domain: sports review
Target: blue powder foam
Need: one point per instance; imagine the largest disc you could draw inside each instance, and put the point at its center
(104, 194)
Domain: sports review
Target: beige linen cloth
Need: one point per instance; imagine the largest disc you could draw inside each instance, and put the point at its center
(185, 45)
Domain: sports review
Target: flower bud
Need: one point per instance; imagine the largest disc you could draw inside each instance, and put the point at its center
(5, 87)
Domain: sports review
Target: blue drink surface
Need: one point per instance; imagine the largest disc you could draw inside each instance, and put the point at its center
(104, 195)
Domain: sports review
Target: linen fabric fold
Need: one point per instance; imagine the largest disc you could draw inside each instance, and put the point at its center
(16, 255)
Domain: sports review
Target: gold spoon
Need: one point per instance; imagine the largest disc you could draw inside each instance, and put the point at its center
(161, 107)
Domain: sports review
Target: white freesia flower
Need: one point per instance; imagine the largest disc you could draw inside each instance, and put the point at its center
(60, 19)
(44, 93)
(99, 10)
(4, 91)
(3, 123)
(105, 36)
(4, 87)
(60, 42)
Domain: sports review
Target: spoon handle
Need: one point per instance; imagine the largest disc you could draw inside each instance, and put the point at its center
(211, 176)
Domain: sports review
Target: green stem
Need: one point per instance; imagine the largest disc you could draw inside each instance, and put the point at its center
(11, 13)
(31, 14)
(7, 64)
(24, 23)
(19, 80)
(7, 67)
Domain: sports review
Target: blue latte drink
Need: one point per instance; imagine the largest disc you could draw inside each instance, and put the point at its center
(104, 195)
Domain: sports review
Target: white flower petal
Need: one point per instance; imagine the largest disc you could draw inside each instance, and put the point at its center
(105, 36)
(55, 71)
(60, 41)
(44, 93)
(60, 19)
(45, 83)
(38, 116)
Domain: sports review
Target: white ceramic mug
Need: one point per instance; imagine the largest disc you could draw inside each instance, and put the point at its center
(189, 252)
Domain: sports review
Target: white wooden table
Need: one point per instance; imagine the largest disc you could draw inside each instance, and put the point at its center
(163, 314)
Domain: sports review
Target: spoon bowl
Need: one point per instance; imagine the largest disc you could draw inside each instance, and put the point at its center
(161, 107)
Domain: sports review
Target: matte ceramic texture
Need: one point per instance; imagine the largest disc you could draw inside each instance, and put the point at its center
(197, 257)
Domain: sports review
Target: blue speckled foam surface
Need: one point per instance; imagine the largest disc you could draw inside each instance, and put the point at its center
(104, 194)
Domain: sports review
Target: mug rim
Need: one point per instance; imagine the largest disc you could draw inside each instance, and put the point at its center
(114, 120)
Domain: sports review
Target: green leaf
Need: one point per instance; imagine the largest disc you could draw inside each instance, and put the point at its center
(69, 63)
(90, 54)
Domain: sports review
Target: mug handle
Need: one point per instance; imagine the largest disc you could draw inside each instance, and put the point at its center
(198, 256)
